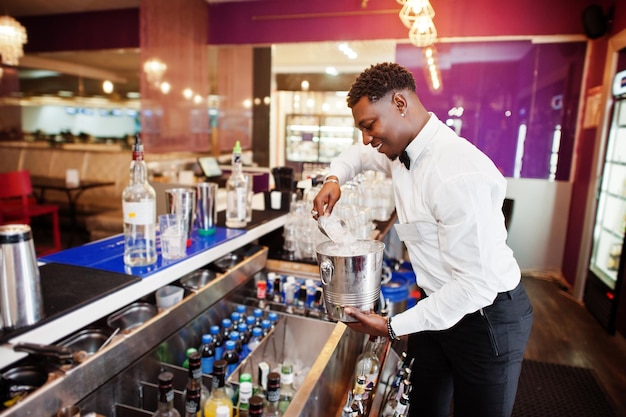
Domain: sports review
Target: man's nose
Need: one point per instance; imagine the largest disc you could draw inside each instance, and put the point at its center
(367, 139)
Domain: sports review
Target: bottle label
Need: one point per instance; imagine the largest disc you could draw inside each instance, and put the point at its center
(142, 212)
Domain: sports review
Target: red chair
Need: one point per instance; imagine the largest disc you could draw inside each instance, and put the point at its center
(17, 205)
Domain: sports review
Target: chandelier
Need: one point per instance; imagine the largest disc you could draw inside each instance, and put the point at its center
(12, 39)
(154, 69)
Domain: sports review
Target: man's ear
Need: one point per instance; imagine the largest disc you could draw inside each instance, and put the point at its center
(400, 102)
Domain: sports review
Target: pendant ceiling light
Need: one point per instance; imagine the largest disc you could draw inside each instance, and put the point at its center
(12, 40)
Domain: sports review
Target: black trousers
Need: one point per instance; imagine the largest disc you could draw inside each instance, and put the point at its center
(476, 363)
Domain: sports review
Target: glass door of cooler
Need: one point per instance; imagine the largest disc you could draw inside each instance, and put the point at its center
(337, 133)
(608, 236)
(302, 138)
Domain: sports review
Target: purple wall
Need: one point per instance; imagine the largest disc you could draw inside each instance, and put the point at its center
(537, 83)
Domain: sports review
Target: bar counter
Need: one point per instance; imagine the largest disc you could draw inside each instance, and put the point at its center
(107, 255)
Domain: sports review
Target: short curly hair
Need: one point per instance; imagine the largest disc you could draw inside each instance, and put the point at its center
(378, 80)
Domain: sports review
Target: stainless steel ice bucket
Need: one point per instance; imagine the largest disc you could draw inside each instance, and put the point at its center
(21, 302)
(350, 275)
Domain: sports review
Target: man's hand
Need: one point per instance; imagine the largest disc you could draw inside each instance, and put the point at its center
(326, 199)
(372, 324)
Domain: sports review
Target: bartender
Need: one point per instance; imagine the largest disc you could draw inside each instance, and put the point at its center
(469, 332)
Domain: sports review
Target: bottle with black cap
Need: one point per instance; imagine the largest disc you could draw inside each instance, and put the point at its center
(166, 397)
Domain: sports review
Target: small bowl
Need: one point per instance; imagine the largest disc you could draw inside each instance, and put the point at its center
(88, 340)
(197, 279)
(132, 316)
(168, 296)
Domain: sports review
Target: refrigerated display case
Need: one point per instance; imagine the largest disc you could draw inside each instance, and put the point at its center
(607, 263)
(317, 138)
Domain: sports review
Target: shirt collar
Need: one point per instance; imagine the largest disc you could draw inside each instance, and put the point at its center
(423, 138)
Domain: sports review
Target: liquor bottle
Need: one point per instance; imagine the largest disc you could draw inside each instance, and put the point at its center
(368, 365)
(192, 402)
(256, 407)
(194, 380)
(358, 405)
(166, 397)
(392, 401)
(207, 350)
(219, 396)
(402, 407)
(273, 395)
(230, 356)
(236, 192)
(139, 211)
(243, 403)
(286, 387)
(218, 341)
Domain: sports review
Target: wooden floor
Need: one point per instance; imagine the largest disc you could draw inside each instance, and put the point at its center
(565, 332)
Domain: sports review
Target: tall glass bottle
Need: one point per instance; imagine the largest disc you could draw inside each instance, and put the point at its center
(139, 212)
(166, 397)
(192, 402)
(236, 192)
(219, 396)
(273, 395)
(243, 403)
(368, 365)
(359, 405)
(286, 387)
(194, 380)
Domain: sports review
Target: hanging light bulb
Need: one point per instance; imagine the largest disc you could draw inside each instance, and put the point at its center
(415, 9)
(107, 86)
(12, 40)
(423, 32)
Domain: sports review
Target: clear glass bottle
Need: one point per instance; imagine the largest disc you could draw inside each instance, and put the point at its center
(194, 380)
(139, 212)
(358, 405)
(236, 192)
(219, 396)
(243, 403)
(286, 387)
(166, 397)
(272, 396)
(368, 365)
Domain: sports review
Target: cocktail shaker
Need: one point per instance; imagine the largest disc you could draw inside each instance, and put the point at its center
(21, 302)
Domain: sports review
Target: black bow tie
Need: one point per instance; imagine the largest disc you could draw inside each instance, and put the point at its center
(404, 158)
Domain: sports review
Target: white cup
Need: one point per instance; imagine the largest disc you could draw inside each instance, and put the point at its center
(71, 178)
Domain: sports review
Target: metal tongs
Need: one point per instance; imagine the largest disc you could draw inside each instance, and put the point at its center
(63, 355)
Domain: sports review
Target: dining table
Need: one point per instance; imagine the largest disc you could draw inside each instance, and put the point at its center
(73, 190)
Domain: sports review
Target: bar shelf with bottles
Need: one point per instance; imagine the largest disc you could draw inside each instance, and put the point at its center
(317, 138)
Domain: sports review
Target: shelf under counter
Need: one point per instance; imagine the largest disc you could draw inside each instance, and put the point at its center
(49, 332)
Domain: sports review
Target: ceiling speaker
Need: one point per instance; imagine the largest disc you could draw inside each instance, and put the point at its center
(594, 22)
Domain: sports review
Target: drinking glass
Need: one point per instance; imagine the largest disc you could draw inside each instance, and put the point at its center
(173, 229)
